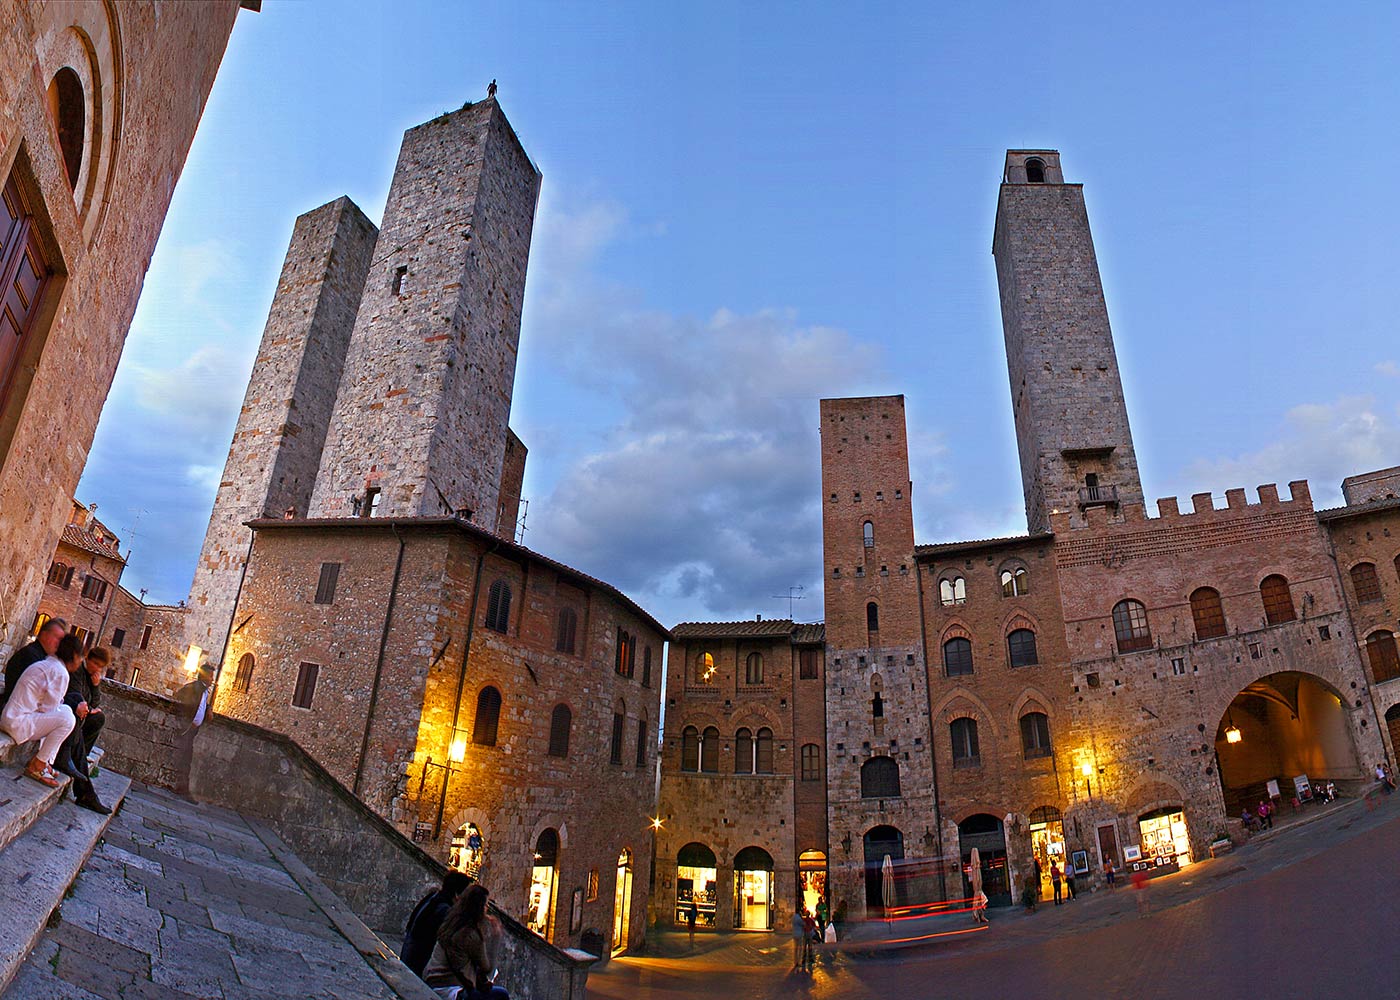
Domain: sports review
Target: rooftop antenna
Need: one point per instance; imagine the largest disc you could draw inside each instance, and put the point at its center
(793, 594)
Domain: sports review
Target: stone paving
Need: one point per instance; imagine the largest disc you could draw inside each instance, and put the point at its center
(185, 901)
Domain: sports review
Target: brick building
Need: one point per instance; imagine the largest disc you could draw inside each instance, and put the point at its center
(743, 777)
(98, 105)
(82, 584)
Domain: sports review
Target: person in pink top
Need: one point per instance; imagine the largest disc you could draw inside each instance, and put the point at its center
(35, 710)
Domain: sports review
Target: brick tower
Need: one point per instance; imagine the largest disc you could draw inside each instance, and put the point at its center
(276, 447)
(420, 422)
(876, 691)
(1066, 392)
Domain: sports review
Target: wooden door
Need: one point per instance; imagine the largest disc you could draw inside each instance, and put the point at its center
(23, 274)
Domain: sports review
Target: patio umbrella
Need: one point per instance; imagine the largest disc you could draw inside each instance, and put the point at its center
(976, 873)
(887, 884)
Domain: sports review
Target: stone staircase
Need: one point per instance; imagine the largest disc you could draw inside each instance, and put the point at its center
(45, 840)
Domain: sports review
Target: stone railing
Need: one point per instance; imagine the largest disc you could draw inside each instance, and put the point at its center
(376, 870)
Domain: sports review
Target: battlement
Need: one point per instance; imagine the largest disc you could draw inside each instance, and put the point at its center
(1203, 509)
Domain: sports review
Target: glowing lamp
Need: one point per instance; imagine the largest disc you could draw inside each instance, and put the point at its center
(1233, 735)
(1086, 769)
(457, 751)
(656, 822)
(192, 659)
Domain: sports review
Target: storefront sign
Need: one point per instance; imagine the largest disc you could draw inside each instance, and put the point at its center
(1272, 786)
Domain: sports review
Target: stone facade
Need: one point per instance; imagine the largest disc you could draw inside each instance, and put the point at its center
(754, 689)
(1371, 486)
(87, 194)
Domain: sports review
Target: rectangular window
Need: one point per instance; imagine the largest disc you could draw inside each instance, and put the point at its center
(1324, 632)
(369, 507)
(325, 589)
(94, 589)
(616, 755)
(305, 690)
(646, 667)
(118, 637)
(641, 742)
(1178, 666)
(135, 673)
(593, 885)
(807, 664)
(145, 637)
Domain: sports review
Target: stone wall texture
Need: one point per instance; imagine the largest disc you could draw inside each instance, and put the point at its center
(146, 70)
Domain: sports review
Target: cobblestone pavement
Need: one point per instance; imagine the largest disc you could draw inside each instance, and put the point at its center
(182, 901)
(1309, 912)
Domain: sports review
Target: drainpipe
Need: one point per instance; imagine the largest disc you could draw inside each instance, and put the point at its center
(379, 662)
(932, 742)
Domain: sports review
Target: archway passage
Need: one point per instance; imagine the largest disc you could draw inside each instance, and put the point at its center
(811, 868)
(622, 902)
(546, 860)
(882, 842)
(1281, 727)
(753, 889)
(985, 833)
(695, 883)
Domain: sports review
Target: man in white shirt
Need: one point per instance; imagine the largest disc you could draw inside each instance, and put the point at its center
(192, 708)
(35, 710)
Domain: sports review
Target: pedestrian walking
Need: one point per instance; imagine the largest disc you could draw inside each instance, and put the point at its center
(1140, 890)
(1387, 783)
(1055, 880)
(192, 708)
(822, 914)
(1265, 820)
(691, 915)
(809, 938)
(1109, 872)
(799, 928)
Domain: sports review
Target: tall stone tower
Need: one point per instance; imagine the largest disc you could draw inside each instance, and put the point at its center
(1066, 392)
(879, 769)
(420, 422)
(276, 450)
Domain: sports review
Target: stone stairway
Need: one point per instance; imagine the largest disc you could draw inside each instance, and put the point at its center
(45, 840)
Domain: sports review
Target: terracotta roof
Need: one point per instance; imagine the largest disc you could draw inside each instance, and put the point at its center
(815, 632)
(942, 548)
(767, 628)
(1333, 513)
(81, 538)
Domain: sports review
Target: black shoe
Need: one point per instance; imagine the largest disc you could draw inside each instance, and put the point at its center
(95, 804)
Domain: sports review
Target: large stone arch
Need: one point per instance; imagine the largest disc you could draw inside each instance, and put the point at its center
(1029, 694)
(948, 709)
(1153, 790)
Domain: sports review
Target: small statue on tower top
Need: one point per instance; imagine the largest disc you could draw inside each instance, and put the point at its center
(491, 90)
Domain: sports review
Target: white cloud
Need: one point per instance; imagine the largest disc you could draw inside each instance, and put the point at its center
(1390, 368)
(202, 391)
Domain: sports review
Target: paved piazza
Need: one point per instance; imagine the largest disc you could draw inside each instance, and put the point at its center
(1309, 912)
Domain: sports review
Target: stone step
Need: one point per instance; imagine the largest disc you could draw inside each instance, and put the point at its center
(12, 755)
(23, 801)
(38, 867)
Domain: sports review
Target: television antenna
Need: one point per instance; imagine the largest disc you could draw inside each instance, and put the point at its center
(793, 594)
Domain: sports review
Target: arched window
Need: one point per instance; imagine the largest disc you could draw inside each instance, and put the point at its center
(952, 591)
(1207, 613)
(709, 750)
(872, 617)
(642, 739)
(567, 631)
(1015, 582)
(1035, 735)
(743, 752)
(498, 607)
(763, 751)
(753, 669)
(877, 706)
(625, 660)
(559, 724)
(1020, 647)
(66, 105)
(957, 657)
(243, 676)
(1035, 171)
(488, 717)
(879, 778)
(704, 669)
(1381, 650)
(867, 532)
(811, 762)
(690, 749)
(646, 667)
(964, 736)
(619, 719)
(1278, 600)
(1130, 626)
(1366, 583)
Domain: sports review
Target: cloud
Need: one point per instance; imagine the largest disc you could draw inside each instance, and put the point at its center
(1390, 368)
(202, 391)
(1321, 442)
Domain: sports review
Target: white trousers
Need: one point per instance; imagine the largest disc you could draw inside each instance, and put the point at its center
(49, 728)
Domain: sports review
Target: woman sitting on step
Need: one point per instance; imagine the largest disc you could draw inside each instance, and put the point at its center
(463, 963)
(35, 710)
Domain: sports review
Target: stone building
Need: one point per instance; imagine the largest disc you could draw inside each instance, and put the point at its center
(743, 779)
(99, 102)
(82, 584)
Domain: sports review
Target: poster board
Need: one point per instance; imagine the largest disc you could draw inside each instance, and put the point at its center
(1080, 859)
(1272, 786)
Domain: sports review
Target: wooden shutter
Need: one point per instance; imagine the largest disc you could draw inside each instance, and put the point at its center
(23, 275)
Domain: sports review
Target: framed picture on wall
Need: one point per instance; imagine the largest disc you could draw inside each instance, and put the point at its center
(576, 916)
(1080, 859)
(1132, 853)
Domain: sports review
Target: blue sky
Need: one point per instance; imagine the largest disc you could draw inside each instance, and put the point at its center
(747, 207)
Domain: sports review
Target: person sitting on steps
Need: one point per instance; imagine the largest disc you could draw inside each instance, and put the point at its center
(35, 709)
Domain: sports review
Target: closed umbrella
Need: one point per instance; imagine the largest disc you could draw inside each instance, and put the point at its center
(887, 884)
(976, 873)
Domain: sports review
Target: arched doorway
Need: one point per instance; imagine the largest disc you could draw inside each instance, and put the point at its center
(695, 882)
(468, 850)
(542, 882)
(811, 874)
(622, 902)
(753, 890)
(1392, 723)
(1281, 727)
(1047, 844)
(985, 833)
(882, 842)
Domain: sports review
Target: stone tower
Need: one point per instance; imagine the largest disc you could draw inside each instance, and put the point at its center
(876, 689)
(1066, 392)
(276, 448)
(420, 421)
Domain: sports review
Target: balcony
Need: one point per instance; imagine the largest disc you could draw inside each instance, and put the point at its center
(1098, 496)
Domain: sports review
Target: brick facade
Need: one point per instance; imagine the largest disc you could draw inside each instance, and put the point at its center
(82, 581)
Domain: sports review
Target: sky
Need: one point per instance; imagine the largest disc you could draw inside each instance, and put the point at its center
(749, 207)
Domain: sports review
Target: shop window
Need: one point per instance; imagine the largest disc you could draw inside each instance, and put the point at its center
(695, 883)
(705, 669)
(625, 656)
(305, 691)
(763, 751)
(560, 722)
(952, 591)
(1020, 647)
(1278, 600)
(879, 778)
(1035, 735)
(541, 904)
(807, 664)
(964, 736)
(957, 657)
(498, 607)
(566, 631)
(1015, 582)
(709, 750)
(1207, 613)
(811, 762)
(243, 673)
(642, 742)
(690, 749)
(488, 717)
(118, 637)
(619, 719)
(325, 587)
(743, 752)
(1130, 626)
(468, 850)
(872, 617)
(753, 889)
(753, 668)
(646, 667)
(1383, 654)
(1366, 583)
(867, 534)
(94, 589)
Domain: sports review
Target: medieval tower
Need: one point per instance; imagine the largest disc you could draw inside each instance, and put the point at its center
(1066, 393)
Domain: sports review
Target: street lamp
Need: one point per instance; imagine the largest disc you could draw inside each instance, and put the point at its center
(1232, 731)
(1087, 770)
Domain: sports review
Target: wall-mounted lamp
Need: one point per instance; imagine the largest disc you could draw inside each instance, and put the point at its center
(1232, 731)
(846, 842)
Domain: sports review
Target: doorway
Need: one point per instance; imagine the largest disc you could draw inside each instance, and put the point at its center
(541, 905)
(1047, 845)
(622, 902)
(811, 873)
(881, 843)
(695, 883)
(985, 833)
(753, 890)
